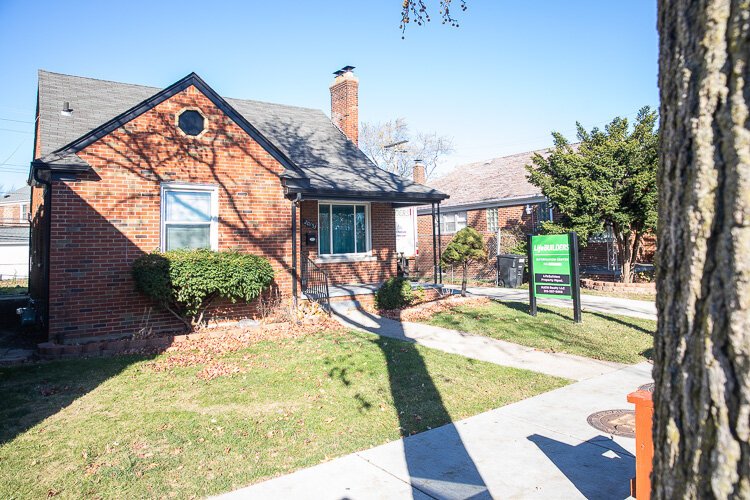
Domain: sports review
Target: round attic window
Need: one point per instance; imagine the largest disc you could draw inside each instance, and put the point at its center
(191, 122)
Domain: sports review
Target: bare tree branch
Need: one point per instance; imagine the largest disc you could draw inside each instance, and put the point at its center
(416, 11)
(428, 147)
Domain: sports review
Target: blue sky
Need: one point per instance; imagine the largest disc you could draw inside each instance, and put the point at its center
(511, 73)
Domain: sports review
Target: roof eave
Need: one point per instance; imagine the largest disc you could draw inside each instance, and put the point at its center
(376, 196)
(498, 202)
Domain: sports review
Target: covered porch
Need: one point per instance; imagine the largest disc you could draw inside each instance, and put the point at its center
(347, 247)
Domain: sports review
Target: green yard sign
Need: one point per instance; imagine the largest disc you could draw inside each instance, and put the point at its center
(553, 269)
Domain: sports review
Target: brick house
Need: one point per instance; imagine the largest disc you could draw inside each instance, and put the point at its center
(14, 207)
(495, 195)
(122, 170)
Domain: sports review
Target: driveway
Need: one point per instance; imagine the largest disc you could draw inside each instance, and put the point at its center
(541, 447)
(596, 303)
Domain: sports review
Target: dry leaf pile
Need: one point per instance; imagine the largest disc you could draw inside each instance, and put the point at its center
(425, 311)
(206, 348)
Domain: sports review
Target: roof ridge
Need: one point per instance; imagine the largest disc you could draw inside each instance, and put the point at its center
(40, 71)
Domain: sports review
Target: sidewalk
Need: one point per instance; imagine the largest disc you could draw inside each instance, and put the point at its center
(596, 303)
(474, 346)
(541, 447)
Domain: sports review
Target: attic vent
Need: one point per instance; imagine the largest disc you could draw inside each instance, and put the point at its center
(191, 122)
(67, 110)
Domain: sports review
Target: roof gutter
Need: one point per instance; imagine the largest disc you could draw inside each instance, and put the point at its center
(501, 202)
(385, 197)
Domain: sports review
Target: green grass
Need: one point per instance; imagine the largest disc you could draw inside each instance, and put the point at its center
(13, 287)
(117, 427)
(612, 338)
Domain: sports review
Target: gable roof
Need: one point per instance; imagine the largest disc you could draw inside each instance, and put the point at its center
(303, 140)
(499, 181)
(20, 195)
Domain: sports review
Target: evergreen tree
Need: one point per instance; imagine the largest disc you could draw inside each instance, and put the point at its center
(607, 179)
(466, 247)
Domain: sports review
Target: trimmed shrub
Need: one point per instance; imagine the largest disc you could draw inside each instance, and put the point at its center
(187, 282)
(395, 293)
(466, 247)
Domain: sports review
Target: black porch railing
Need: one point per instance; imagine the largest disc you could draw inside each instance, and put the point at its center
(315, 284)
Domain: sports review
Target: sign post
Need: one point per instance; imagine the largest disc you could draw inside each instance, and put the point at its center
(553, 270)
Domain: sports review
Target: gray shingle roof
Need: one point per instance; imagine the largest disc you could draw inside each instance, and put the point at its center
(497, 180)
(306, 136)
(14, 235)
(20, 195)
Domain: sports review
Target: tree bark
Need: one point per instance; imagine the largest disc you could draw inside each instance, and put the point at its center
(627, 257)
(702, 347)
(464, 279)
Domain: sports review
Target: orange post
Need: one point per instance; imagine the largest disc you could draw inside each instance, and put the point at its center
(640, 486)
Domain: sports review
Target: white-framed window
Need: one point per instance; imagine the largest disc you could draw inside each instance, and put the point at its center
(189, 216)
(492, 220)
(452, 222)
(24, 212)
(343, 228)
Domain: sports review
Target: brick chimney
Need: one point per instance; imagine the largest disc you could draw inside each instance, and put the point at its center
(420, 174)
(345, 103)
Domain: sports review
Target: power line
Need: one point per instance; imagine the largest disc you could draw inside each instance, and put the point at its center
(17, 131)
(16, 121)
(14, 151)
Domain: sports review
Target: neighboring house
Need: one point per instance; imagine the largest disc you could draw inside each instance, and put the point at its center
(14, 233)
(14, 252)
(14, 207)
(122, 170)
(496, 195)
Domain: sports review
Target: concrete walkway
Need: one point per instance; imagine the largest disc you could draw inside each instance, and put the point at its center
(541, 447)
(590, 303)
(474, 346)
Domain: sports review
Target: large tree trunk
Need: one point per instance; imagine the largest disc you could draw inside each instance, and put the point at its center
(626, 258)
(702, 348)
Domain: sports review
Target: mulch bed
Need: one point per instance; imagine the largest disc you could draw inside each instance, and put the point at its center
(424, 311)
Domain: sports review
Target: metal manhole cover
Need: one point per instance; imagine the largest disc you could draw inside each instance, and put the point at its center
(615, 422)
(647, 387)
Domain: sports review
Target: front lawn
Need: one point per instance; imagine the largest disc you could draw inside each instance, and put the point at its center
(600, 336)
(189, 424)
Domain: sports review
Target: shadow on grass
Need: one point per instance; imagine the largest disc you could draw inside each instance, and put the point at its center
(32, 393)
(621, 322)
(438, 463)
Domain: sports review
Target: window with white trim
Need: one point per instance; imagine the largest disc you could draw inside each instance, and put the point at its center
(24, 212)
(492, 220)
(189, 216)
(343, 228)
(452, 222)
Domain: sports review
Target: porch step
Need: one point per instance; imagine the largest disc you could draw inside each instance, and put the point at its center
(342, 306)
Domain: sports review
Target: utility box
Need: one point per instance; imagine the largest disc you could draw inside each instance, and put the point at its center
(510, 269)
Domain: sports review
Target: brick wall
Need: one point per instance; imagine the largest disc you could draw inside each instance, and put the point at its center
(383, 237)
(511, 219)
(10, 215)
(515, 219)
(105, 220)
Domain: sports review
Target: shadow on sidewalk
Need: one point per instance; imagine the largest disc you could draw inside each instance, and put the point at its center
(438, 463)
(598, 468)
